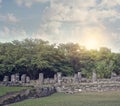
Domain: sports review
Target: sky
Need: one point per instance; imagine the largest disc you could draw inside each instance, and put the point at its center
(91, 23)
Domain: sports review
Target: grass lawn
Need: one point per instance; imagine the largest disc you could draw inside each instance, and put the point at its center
(4, 90)
(80, 99)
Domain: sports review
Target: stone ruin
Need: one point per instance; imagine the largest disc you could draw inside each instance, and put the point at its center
(59, 83)
(15, 80)
(114, 77)
(94, 77)
(6, 79)
(41, 78)
(17, 96)
(58, 80)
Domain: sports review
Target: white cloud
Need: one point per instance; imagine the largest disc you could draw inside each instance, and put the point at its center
(29, 3)
(10, 34)
(110, 3)
(49, 31)
(12, 18)
(83, 18)
(8, 18)
(85, 12)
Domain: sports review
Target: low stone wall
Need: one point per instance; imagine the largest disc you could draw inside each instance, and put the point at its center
(89, 87)
(17, 84)
(46, 91)
(13, 97)
(58, 79)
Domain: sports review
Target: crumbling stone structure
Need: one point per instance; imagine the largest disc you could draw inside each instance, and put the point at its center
(58, 80)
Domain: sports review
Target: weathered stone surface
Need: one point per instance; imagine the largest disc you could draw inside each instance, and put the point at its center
(27, 79)
(26, 94)
(79, 76)
(17, 77)
(59, 78)
(23, 78)
(13, 78)
(114, 77)
(6, 78)
(89, 87)
(51, 81)
(41, 78)
(55, 78)
(47, 81)
(76, 80)
(94, 77)
(113, 74)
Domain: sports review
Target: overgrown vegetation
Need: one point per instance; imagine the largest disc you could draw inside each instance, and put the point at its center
(32, 56)
(80, 99)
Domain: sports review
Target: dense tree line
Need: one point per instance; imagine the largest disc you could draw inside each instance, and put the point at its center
(32, 56)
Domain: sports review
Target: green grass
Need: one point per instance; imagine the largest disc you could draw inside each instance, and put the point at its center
(4, 90)
(80, 99)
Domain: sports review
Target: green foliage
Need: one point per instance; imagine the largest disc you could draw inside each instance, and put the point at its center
(32, 56)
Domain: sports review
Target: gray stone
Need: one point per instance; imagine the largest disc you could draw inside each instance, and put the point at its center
(18, 96)
(17, 77)
(6, 79)
(59, 78)
(113, 76)
(48, 80)
(41, 78)
(67, 80)
(79, 76)
(13, 78)
(52, 81)
(55, 78)
(94, 77)
(27, 79)
(23, 78)
(76, 78)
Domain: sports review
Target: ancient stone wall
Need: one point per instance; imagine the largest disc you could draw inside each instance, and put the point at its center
(26, 94)
(89, 87)
(24, 80)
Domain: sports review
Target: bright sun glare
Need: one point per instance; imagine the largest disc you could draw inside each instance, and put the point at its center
(92, 38)
(91, 43)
